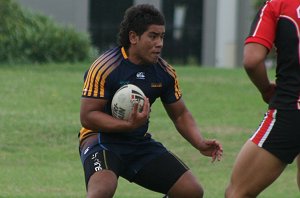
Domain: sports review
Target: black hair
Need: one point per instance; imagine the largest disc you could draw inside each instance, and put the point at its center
(137, 18)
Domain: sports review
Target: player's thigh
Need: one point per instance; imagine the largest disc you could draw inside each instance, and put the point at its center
(102, 184)
(298, 172)
(161, 173)
(254, 170)
(101, 168)
(186, 186)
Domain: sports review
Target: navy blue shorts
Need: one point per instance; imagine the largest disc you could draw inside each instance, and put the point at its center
(148, 163)
(279, 133)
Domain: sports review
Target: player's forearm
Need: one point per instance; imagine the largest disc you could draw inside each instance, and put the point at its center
(258, 76)
(187, 127)
(254, 64)
(98, 120)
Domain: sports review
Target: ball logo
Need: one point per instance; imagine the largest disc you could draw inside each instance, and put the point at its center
(118, 112)
(136, 97)
(124, 100)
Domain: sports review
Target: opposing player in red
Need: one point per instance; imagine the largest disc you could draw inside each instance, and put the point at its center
(276, 142)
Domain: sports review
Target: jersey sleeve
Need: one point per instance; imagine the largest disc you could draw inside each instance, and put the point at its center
(96, 80)
(263, 27)
(171, 91)
(93, 87)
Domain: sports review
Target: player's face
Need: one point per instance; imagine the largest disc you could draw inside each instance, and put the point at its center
(149, 45)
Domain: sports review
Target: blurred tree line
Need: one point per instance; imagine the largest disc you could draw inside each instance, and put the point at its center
(258, 3)
(27, 37)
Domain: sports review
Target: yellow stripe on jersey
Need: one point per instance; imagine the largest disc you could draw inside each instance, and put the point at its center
(87, 81)
(104, 76)
(124, 53)
(168, 68)
(98, 72)
(83, 132)
(87, 90)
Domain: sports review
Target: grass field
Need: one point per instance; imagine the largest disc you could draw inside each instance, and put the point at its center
(39, 122)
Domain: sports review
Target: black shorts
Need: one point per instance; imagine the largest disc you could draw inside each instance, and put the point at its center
(147, 164)
(279, 133)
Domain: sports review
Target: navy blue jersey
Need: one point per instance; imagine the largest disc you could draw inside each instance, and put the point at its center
(113, 70)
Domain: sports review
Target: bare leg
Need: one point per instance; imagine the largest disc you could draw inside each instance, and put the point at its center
(254, 170)
(102, 184)
(186, 186)
(298, 172)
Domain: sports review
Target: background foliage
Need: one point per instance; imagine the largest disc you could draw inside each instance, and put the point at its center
(258, 3)
(32, 37)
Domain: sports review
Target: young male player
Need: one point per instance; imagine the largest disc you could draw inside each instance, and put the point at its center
(111, 147)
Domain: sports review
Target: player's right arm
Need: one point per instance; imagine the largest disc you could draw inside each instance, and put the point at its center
(93, 117)
(257, 46)
(254, 64)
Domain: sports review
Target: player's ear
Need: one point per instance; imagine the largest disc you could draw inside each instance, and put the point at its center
(133, 37)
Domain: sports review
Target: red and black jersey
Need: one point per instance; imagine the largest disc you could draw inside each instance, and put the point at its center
(113, 70)
(278, 24)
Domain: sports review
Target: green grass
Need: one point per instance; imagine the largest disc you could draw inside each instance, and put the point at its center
(39, 122)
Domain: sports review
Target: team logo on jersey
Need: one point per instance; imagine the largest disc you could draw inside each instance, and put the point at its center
(124, 83)
(156, 85)
(140, 75)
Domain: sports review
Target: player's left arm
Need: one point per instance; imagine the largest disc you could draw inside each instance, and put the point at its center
(187, 127)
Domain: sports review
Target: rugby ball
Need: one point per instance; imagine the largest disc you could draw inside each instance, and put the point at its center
(124, 100)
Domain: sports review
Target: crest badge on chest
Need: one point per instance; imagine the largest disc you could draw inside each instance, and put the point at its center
(140, 75)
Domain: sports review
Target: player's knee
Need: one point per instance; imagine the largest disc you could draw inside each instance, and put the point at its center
(196, 191)
(187, 186)
(100, 192)
(193, 190)
(228, 192)
(231, 191)
(102, 184)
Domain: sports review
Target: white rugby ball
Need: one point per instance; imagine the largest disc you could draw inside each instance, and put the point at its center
(124, 100)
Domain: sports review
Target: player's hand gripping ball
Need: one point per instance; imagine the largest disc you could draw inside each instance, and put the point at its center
(124, 100)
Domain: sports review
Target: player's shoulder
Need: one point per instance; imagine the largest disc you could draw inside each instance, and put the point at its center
(276, 1)
(165, 66)
(106, 63)
(110, 57)
(280, 8)
(279, 3)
